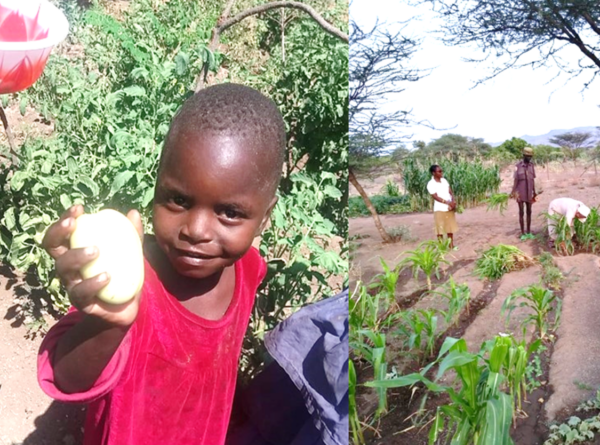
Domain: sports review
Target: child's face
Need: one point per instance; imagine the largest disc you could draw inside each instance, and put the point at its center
(209, 203)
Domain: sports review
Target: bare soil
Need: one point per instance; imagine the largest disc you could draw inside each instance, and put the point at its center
(30, 125)
(570, 365)
(27, 415)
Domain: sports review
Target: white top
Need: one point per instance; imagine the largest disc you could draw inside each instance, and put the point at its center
(567, 207)
(442, 189)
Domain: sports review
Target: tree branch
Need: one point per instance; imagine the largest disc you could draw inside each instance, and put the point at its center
(593, 25)
(224, 23)
(286, 4)
(226, 12)
(576, 39)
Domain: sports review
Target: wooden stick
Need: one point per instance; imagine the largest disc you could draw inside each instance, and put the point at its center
(11, 139)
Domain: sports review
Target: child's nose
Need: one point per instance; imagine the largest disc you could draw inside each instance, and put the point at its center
(198, 227)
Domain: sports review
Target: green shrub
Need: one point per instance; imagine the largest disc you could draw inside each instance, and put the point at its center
(384, 204)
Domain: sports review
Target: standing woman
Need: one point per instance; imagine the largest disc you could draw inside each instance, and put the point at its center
(524, 187)
(443, 205)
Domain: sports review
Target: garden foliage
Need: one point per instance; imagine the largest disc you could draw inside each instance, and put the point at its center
(111, 91)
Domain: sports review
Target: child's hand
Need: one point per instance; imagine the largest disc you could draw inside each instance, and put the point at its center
(82, 293)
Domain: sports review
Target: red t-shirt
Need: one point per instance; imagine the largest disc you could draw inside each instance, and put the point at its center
(173, 377)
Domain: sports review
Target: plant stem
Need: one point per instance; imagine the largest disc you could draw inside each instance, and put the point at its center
(11, 139)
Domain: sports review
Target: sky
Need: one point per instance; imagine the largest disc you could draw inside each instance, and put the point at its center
(518, 102)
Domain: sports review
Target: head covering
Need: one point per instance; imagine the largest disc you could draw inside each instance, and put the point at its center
(585, 211)
(528, 151)
(302, 396)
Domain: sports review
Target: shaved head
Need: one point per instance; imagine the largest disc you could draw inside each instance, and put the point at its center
(231, 112)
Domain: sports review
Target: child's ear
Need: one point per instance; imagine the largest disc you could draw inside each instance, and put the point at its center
(267, 216)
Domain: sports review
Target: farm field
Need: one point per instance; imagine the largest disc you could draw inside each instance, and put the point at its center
(562, 373)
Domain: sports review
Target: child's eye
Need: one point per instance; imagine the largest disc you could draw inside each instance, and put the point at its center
(178, 201)
(231, 214)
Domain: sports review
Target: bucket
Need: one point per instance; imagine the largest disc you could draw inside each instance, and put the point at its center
(29, 29)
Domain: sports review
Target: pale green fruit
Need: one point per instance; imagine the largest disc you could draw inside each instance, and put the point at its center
(120, 253)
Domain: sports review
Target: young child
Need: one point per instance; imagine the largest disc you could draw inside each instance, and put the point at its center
(161, 369)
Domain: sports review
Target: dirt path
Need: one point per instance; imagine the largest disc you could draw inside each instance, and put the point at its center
(490, 321)
(575, 367)
(27, 415)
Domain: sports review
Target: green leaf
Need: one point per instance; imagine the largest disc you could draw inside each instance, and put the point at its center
(72, 166)
(498, 420)
(455, 359)
(47, 166)
(138, 72)
(328, 175)
(330, 260)
(436, 428)
(66, 202)
(406, 380)
(23, 105)
(182, 61)
(278, 218)
(120, 180)
(332, 192)
(148, 196)
(462, 434)
(88, 187)
(10, 221)
(302, 178)
(135, 91)
(18, 180)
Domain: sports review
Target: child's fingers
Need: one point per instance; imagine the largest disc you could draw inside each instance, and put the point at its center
(136, 220)
(57, 236)
(70, 263)
(83, 294)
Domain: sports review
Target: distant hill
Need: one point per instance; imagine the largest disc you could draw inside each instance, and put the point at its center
(545, 138)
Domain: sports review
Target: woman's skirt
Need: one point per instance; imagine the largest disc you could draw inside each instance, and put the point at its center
(445, 222)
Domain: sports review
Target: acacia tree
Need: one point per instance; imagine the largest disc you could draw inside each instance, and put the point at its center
(573, 142)
(520, 33)
(458, 145)
(514, 146)
(378, 69)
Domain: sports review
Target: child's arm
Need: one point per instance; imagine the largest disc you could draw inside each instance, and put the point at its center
(83, 352)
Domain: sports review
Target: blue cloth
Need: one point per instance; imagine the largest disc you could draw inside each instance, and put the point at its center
(302, 398)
